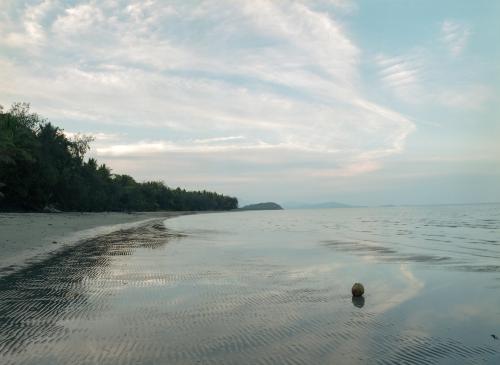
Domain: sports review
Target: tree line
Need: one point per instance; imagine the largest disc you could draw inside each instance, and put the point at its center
(41, 167)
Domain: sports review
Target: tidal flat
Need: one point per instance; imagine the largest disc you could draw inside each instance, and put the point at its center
(265, 288)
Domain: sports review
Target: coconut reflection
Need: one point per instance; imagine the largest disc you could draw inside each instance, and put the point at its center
(358, 302)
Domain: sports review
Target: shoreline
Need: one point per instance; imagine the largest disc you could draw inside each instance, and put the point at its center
(24, 237)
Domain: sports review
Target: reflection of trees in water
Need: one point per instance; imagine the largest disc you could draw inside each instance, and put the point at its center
(35, 299)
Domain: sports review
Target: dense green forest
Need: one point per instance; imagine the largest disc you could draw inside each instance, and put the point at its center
(40, 167)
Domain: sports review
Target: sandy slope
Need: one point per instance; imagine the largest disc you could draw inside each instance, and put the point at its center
(24, 235)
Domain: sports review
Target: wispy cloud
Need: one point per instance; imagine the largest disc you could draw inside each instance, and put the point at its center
(471, 97)
(77, 19)
(97, 136)
(28, 31)
(455, 36)
(402, 74)
(218, 139)
(149, 148)
(397, 72)
(415, 78)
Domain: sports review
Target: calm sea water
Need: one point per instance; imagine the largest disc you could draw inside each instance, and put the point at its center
(267, 288)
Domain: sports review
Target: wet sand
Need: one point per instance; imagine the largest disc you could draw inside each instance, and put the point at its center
(214, 289)
(23, 236)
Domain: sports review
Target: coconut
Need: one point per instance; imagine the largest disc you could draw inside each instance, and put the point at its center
(357, 290)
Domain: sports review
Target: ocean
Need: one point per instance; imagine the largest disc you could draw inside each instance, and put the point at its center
(267, 287)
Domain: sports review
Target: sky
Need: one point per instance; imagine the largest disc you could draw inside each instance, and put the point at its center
(362, 102)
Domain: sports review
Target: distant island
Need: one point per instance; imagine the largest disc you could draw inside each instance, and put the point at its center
(41, 169)
(262, 206)
(325, 205)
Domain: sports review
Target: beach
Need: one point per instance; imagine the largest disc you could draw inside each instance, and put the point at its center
(24, 236)
(264, 288)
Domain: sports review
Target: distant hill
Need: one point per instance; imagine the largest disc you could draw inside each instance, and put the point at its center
(262, 206)
(325, 205)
